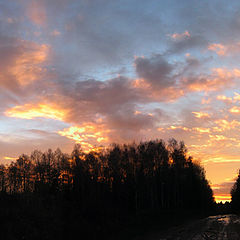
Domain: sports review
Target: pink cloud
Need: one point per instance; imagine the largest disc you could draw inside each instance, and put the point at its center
(180, 36)
(22, 62)
(225, 49)
(36, 12)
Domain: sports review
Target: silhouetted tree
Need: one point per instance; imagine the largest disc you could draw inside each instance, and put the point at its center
(235, 193)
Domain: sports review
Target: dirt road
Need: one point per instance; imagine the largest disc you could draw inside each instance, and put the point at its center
(222, 227)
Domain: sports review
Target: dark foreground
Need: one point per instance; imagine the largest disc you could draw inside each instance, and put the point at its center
(220, 227)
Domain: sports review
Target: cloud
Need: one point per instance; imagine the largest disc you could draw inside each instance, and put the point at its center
(156, 71)
(223, 188)
(165, 81)
(98, 97)
(223, 124)
(183, 45)
(236, 97)
(22, 62)
(29, 111)
(233, 99)
(218, 48)
(129, 121)
(109, 105)
(224, 98)
(10, 158)
(113, 103)
(88, 135)
(188, 129)
(180, 36)
(218, 79)
(235, 110)
(36, 12)
(225, 50)
(201, 114)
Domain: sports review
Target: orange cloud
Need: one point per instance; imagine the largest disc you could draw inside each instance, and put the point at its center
(235, 110)
(217, 137)
(168, 94)
(201, 115)
(195, 129)
(10, 158)
(137, 112)
(88, 135)
(202, 130)
(224, 98)
(218, 48)
(27, 66)
(220, 159)
(141, 83)
(237, 96)
(216, 80)
(223, 125)
(29, 111)
(223, 50)
(179, 127)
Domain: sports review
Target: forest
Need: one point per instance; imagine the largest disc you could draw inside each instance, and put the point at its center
(50, 195)
(235, 193)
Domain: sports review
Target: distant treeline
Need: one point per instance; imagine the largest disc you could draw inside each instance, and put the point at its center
(235, 193)
(112, 183)
(122, 178)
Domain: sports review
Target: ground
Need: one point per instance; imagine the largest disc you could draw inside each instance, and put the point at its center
(221, 227)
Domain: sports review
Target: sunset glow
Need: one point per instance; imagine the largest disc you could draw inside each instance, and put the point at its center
(29, 111)
(200, 114)
(88, 136)
(223, 198)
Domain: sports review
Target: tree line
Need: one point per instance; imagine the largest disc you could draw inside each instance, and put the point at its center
(122, 179)
(235, 194)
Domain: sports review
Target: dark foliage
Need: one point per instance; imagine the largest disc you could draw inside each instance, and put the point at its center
(55, 195)
(223, 208)
(235, 193)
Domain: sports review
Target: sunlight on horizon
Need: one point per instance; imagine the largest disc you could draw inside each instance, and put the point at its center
(222, 198)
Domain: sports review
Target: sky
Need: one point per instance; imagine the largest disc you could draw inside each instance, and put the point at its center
(96, 72)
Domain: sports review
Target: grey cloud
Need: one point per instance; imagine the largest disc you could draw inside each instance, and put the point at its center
(87, 98)
(127, 120)
(197, 42)
(155, 70)
(10, 50)
(41, 133)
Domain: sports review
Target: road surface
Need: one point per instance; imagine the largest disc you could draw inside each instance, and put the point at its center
(221, 227)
